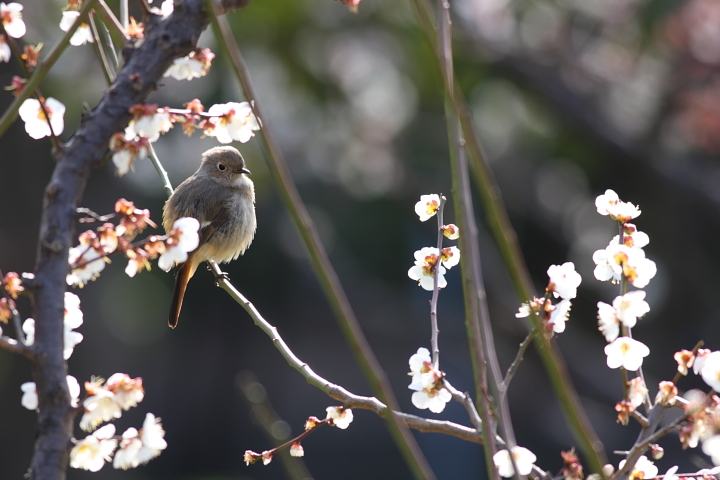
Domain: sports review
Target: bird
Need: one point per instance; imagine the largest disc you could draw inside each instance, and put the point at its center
(221, 196)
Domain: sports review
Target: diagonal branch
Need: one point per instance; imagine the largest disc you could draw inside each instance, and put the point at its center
(324, 271)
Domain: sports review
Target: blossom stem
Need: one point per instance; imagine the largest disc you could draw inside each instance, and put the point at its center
(42, 69)
(112, 24)
(324, 271)
(167, 186)
(518, 359)
(317, 424)
(436, 290)
(99, 51)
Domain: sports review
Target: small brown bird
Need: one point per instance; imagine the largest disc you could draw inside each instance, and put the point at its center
(222, 198)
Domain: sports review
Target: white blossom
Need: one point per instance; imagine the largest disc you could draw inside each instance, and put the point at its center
(608, 323)
(82, 35)
(670, 474)
(609, 204)
(564, 280)
(233, 121)
(11, 15)
(185, 239)
(450, 257)
(130, 445)
(152, 437)
(524, 459)
(29, 399)
(5, 51)
(341, 417)
(433, 400)
(559, 315)
(36, 124)
(426, 261)
(643, 468)
(711, 447)
(93, 451)
(636, 391)
(630, 306)
(710, 371)
(128, 391)
(149, 125)
(296, 450)
(427, 207)
(626, 352)
(100, 407)
(699, 362)
(617, 260)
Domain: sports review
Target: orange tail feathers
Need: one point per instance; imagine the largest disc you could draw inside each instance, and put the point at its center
(182, 277)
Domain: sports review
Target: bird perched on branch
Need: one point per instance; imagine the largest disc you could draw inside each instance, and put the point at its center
(222, 198)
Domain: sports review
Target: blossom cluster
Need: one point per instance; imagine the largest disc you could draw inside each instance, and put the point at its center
(431, 260)
(227, 122)
(623, 261)
(339, 417)
(89, 258)
(563, 283)
(427, 382)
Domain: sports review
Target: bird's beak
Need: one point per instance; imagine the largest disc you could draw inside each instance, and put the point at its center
(245, 170)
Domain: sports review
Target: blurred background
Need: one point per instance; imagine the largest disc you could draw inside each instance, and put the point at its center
(570, 98)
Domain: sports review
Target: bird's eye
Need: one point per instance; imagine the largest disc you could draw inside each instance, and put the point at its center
(221, 166)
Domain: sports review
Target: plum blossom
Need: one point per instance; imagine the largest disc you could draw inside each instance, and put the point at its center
(127, 148)
(82, 35)
(148, 121)
(73, 319)
(5, 51)
(183, 239)
(100, 407)
(427, 207)
(450, 257)
(630, 306)
(126, 455)
(11, 16)
(36, 124)
(341, 417)
(427, 383)
(626, 352)
(29, 399)
(195, 65)
(564, 280)
(608, 323)
(700, 357)
(296, 450)
(93, 451)
(426, 262)
(451, 231)
(711, 370)
(152, 439)
(643, 468)
(559, 315)
(636, 391)
(524, 459)
(685, 360)
(232, 121)
(128, 391)
(609, 204)
(617, 260)
(711, 447)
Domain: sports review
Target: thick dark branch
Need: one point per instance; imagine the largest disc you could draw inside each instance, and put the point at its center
(165, 40)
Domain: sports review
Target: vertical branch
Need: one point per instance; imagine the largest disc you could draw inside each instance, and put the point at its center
(506, 239)
(318, 256)
(473, 291)
(436, 291)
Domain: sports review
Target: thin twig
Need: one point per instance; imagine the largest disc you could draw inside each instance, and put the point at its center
(99, 52)
(14, 346)
(112, 24)
(323, 269)
(518, 359)
(337, 392)
(167, 186)
(436, 290)
(466, 401)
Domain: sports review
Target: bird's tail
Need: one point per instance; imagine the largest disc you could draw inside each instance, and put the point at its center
(182, 277)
